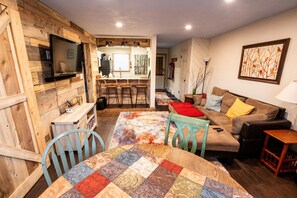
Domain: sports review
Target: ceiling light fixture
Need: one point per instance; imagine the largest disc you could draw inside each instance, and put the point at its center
(108, 43)
(137, 44)
(229, 1)
(188, 27)
(119, 24)
(124, 43)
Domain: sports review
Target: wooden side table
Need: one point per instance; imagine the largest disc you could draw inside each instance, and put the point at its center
(283, 162)
(189, 98)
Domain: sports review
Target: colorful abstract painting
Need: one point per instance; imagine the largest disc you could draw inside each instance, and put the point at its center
(263, 61)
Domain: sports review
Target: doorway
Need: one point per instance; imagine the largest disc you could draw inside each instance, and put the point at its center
(160, 71)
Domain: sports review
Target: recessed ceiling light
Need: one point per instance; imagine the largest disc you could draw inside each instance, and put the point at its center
(229, 1)
(188, 27)
(119, 24)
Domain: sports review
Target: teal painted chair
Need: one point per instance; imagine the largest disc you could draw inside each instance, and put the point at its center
(193, 125)
(65, 139)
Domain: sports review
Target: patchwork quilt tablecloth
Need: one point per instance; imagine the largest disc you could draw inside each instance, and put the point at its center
(128, 171)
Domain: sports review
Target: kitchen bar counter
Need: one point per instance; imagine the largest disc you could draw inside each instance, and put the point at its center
(102, 82)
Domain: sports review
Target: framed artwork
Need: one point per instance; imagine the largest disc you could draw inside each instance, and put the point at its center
(263, 62)
(70, 53)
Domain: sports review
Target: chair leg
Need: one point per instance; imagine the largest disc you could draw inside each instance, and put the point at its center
(122, 94)
(107, 96)
(136, 96)
(130, 90)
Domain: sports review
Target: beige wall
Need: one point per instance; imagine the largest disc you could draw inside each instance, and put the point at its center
(225, 52)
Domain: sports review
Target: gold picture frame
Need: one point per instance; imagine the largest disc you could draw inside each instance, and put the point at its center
(263, 62)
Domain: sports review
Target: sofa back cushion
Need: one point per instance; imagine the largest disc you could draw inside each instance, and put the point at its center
(263, 108)
(218, 91)
(228, 101)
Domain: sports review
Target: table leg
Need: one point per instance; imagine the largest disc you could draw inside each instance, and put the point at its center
(281, 159)
(264, 146)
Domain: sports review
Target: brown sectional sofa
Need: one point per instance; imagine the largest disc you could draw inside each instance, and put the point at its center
(247, 129)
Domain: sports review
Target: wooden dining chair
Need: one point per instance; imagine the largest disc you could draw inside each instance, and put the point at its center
(193, 125)
(70, 141)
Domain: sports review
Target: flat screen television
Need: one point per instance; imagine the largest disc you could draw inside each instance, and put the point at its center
(66, 57)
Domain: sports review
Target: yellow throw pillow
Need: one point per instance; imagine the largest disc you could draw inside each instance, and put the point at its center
(239, 108)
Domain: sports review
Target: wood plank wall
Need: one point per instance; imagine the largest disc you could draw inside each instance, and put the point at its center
(38, 22)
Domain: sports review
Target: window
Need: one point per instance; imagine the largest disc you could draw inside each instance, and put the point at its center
(121, 62)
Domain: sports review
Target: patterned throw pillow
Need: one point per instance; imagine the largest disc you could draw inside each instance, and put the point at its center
(213, 102)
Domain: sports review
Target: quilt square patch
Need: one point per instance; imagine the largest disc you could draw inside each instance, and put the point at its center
(112, 169)
(183, 187)
(218, 187)
(98, 160)
(92, 185)
(195, 177)
(78, 173)
(128, 158)
(148, 189)
(171, 166)
(112, 191)
(115, 152)
(162, 177)
(72, 193)
(144, 167)
(129, 181)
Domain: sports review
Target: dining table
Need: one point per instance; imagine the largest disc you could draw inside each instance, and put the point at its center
(145, 170)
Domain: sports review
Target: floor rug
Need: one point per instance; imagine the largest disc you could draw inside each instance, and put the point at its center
(144, 128)
(140, 127)
(162, 98)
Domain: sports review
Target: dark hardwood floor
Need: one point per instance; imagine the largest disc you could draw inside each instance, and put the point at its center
(257, 179)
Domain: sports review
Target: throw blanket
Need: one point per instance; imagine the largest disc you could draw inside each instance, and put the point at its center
(186, 109)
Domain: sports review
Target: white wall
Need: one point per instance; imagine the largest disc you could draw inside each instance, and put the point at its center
(175, 85)
(225, 52)
(153, 53)
(200, 48)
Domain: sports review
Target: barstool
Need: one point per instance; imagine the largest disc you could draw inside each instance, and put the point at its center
(128, 94)
(141, 88)
(112, 90)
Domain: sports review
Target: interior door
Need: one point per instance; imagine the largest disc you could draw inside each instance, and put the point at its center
(19, 151)
(160, 71)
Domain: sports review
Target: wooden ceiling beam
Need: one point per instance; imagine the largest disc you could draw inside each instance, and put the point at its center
(131, 42)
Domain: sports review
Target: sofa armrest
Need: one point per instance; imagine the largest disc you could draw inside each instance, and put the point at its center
(254, 130)
(237, 122)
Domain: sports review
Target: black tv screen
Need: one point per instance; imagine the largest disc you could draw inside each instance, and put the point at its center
(66, 57)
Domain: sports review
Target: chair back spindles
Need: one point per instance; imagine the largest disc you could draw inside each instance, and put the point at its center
(56, 151)
(193, 126)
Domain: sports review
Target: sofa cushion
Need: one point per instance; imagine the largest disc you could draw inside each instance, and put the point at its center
(228, 101)
(216, 141)
(262, 108)
(239, 108)
(218, 91)
(216, 118)
(213, 102)
(237, 122)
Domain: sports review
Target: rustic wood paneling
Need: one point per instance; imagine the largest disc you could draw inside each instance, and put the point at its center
(38, 22)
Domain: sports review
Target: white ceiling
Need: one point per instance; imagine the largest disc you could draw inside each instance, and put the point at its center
(166, 18)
